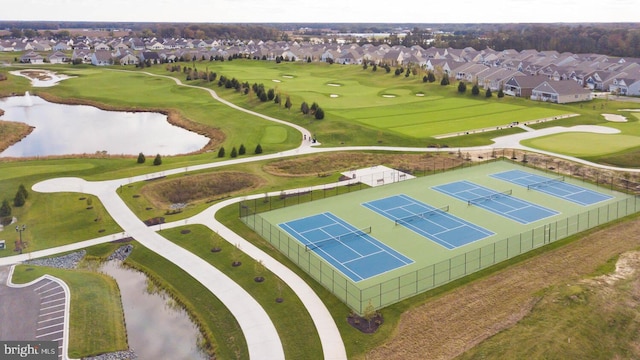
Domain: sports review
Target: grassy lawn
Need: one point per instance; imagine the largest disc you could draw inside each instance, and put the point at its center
(97, 319)
(584, 144)
(222, 332)
(297, 332)
(404, 110)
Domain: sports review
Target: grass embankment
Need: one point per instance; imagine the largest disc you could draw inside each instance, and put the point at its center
(96, 315)
(222, 334)
(296, 330)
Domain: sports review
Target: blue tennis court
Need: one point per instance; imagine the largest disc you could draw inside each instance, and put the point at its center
(553, 186)
(433, 223)
(350, 250)
(501, 203)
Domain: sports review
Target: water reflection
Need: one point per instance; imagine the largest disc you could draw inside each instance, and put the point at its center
(156, 327)
(80, 129)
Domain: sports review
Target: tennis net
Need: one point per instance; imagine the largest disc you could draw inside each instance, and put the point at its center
(422, 215)
(339, 238)
(489, 197)
(545, 183)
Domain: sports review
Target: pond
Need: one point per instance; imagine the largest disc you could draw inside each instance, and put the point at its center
(156, 327)
(80, 129)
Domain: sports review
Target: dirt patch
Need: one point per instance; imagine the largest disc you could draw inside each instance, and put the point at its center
(199, 188)
(449, 325)
(344, 161)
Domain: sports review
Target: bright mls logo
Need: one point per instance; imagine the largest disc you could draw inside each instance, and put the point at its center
(40, 350)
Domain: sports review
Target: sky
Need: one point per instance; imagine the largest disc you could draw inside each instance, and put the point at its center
(335, 11)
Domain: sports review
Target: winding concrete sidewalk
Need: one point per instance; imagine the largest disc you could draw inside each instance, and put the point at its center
(262, 338)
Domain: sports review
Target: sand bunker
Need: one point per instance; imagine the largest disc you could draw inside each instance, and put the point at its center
(419, 94)
(41, 78)
(388, 96)
(287, 76)
(334, 85)
(274, 80)
(334, 95)
(614, 118)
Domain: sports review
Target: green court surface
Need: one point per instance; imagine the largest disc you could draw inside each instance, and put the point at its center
(434, 264)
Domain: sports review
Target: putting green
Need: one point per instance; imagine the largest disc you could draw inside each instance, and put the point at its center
(584, 144)
(274, 135)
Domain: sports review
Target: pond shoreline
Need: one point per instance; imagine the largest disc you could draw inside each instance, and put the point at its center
(174, 117)
(214, 135)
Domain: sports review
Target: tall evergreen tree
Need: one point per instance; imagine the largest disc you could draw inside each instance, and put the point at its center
(221, 152)
(158, 160)
(258, 149)
(23, 190)
(5, 209)
(18, 200)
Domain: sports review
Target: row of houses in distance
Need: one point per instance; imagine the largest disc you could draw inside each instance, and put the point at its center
(539, 75)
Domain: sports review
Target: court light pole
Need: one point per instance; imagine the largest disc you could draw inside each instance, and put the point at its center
(20, 229)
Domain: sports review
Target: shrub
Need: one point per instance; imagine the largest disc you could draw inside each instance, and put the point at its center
(141, 158)
(221, 152)
(23, 190)
(242, 150)
(158, 160)
(258, 149)
(5, 209)
(18, 200)
(234, 152)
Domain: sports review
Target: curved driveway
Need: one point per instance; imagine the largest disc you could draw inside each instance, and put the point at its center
(262, 338)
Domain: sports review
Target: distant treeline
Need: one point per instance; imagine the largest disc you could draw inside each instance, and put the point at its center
(614, 39)
(620, 40)
(162, 30)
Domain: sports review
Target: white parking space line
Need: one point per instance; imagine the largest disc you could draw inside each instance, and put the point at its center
(48, 296)
(51, 301)
(54, 332)
(52, 289)
(48, 326)
(53, 312)
(43, 285)
(52, 306)
(56, 318)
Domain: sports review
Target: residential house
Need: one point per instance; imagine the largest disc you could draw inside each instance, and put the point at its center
(7, 45)
(101, 58)
(61, 46)
(523, 85)
(628, 84)
(101, 46)
(152, 56)
(495, 78)
(32, 57)
(83, 55)
(58, 57)
(128, 59)
(561, 92)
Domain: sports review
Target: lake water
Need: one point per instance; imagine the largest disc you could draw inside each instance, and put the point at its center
(155, 328)
(80, 129)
